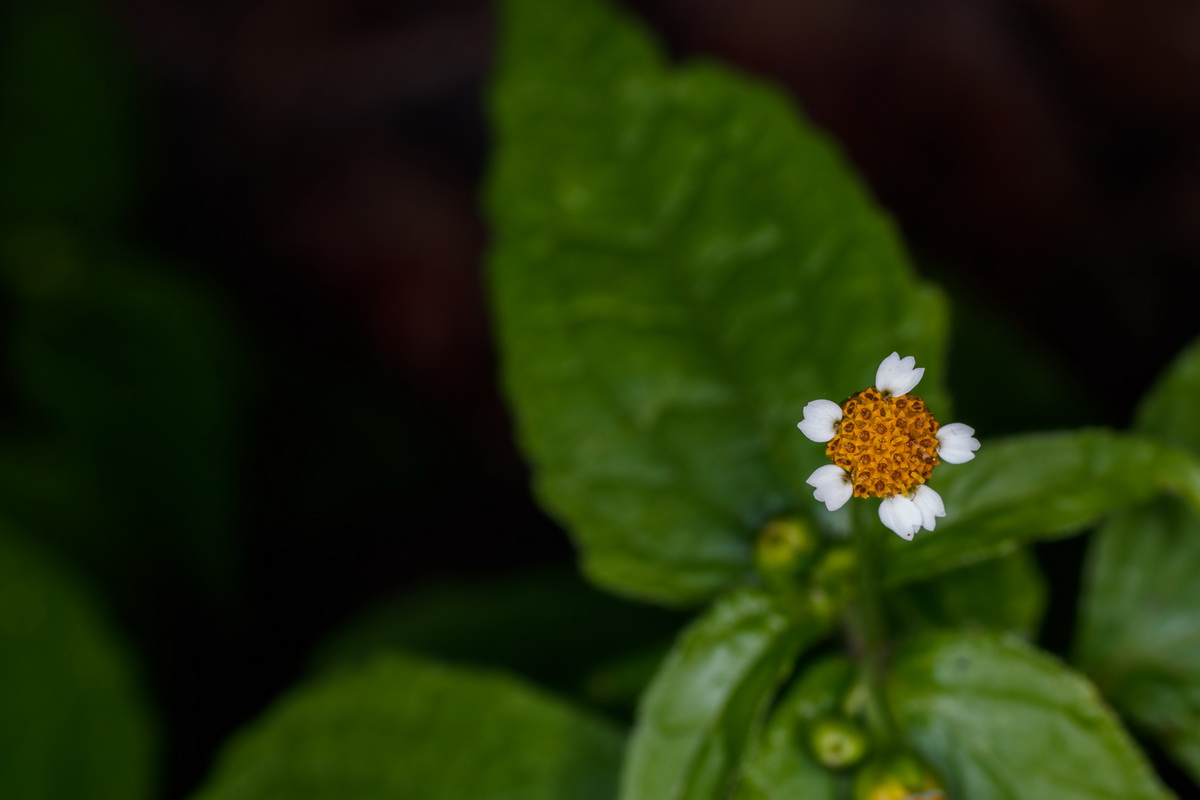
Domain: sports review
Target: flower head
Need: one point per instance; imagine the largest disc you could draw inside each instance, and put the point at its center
(884, 442)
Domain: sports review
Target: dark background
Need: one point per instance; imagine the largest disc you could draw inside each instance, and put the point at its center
(312, 169)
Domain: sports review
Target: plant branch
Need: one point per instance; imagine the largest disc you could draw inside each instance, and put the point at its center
(869, 625)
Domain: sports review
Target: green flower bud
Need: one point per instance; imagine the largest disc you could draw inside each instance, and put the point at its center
(837, 743)
(785, 548)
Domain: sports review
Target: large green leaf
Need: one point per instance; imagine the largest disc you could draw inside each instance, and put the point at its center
(680, 265)
(707, 701)
(1139, 633)
(1038, 487)
(1002, 720)
(1139, 637)
(780, 765)
(410, 729)
(73, 723)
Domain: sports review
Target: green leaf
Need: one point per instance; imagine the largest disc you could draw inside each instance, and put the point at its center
(1139, 638)
(1168, 412)
(409, 729)
(1139, 635)
(1004, 594)
(706, 703)
(780, 765)
(680, 265)
(73, 722)
(1039, 486)
(1002, 720)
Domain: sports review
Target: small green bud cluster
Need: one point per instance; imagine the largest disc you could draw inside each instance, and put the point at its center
(831, 704)
(793, 557)
(785, 550)
(830, 722)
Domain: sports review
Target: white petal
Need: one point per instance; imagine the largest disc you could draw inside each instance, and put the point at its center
(820, 420)
(956, 443)
(901, 515)
(832, 484)
(898, 375)
(930, 504)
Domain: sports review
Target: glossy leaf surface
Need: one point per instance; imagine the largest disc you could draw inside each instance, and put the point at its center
(680, 265)
(706, 703)
(1002, 720)
(1038, 486)
(781, 765)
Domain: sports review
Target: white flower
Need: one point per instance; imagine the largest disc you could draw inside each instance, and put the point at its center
(898, 376)
(885, 443)
(901, 515)
(957, 443)
(930, 504)
(832, 486)
(907, 514)
(820, 420)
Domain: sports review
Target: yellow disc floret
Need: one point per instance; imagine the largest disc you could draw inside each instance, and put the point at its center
(887, 444)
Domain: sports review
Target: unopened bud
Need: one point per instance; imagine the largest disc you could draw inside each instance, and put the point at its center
(837, 742)
(785, 548)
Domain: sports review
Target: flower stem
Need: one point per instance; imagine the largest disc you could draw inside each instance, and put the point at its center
(868, 624)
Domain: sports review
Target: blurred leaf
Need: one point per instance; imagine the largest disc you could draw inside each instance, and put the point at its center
(705, 704)
(73, 723)
(1004, 594)
(1139, 631)
(529, 623)
(68, 114)
(1168, 411)
(780, 765)
(131, 372)
(410, 729)
(1039, 486)
(1139, 636)
(680, 265)
(1003, 720)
